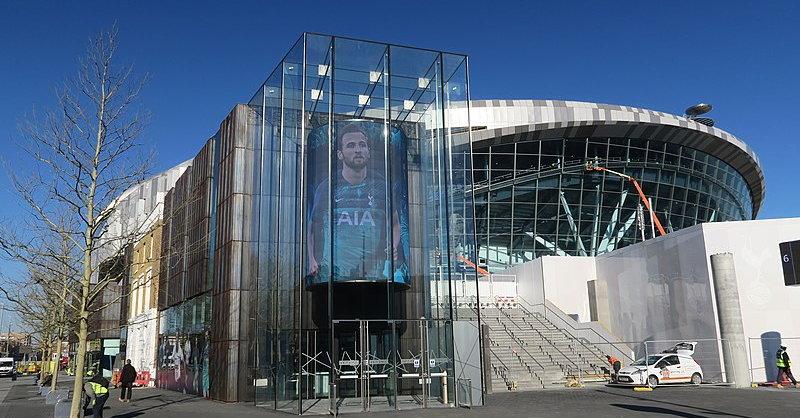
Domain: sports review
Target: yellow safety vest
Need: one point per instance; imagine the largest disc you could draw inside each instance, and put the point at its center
(779, 360)
(98, 389)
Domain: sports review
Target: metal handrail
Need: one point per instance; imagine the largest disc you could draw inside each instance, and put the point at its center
(533, 373)
(573, 338)
(499, 359)
(572, 326)
(518, 343)
(546, 339)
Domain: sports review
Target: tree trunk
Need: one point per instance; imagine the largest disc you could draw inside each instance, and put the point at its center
(60, 330)
(80, 364)
(58, 361)
(48, 353)
(41, 362)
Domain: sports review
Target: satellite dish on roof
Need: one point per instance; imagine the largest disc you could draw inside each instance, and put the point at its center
(698, 109)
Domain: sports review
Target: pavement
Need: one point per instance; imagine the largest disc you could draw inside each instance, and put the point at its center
(20, 400)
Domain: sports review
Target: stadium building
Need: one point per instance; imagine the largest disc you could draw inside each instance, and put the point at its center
(361, 236)
(534, 196)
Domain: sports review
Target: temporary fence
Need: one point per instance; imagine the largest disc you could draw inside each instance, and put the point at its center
(762, 352)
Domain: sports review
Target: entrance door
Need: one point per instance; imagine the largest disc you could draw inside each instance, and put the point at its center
(391, 364)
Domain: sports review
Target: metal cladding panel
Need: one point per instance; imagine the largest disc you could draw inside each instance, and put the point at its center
(178, 247)
(164, 271)
(229, 331)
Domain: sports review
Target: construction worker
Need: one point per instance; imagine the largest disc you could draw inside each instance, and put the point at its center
(784, 366)
(97, 390)
(615, 365)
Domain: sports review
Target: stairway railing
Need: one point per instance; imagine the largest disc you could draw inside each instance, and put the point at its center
(620, 349)
(515, 339)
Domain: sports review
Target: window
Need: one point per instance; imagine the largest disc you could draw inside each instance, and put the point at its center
(140, 293)
(147, 288)
(669, 361)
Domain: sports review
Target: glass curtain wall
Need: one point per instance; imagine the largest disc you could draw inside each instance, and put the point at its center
(536, 198)
(364, 227)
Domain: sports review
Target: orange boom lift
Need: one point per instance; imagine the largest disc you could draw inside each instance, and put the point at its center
(596, 167)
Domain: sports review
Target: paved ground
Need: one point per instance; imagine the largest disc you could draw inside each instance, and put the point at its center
(21, 401)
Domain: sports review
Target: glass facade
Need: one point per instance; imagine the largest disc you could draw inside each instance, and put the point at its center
(536, 198)
(361, 226)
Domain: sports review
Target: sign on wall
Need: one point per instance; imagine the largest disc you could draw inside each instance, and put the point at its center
(790, 261)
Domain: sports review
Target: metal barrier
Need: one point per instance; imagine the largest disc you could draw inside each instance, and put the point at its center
(333, 397)
(762, 351)
(464, 393)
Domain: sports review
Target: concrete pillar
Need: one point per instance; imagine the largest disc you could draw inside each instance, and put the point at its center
(487, 359)
(734, 347)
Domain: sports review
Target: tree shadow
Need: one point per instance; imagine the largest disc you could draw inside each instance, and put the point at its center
(657, 410)
(682, 405)
(141, 411)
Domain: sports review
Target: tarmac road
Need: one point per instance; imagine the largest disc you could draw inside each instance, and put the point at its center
(20, 400)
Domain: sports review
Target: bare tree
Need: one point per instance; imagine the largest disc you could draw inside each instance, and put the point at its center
(43, 293)
(41, 307)
(86, 154)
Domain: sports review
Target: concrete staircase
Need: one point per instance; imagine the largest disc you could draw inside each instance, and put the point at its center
(529, 352)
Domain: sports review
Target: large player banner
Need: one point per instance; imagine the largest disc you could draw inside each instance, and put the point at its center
(357, 220)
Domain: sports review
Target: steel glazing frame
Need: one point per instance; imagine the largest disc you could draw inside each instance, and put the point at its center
(535, 198)
(322, 81)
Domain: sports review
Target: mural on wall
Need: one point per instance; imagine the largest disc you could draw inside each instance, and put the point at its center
(184, 349)
(183, 364)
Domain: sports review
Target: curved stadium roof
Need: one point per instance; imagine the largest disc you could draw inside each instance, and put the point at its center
(496, 122)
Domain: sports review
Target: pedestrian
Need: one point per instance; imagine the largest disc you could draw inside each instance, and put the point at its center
(615, 365)
(784, 366)
(126, 379)
(97, 389)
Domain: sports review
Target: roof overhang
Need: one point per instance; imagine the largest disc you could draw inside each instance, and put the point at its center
(741, 159)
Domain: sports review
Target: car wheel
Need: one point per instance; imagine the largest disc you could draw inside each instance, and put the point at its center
(697, 379)
(652, 381)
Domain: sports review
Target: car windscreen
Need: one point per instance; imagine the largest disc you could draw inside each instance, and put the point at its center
(6, 364)
(651, 360)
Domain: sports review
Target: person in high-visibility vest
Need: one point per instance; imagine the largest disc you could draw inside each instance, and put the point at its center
(616, 365)
(97, 390)
(784, 366)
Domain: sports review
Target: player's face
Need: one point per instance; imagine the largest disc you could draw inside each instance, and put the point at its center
(355, 150)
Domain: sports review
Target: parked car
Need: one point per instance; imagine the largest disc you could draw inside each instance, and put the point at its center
(6, 366)
(674, 365)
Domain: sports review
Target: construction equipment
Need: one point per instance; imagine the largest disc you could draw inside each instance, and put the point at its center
(471, 264)
(596, 167)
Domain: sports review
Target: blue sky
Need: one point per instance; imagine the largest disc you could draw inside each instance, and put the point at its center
(204, 57)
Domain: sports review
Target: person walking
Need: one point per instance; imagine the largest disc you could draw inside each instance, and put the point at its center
(126, 379)
(784, 366)
(97, 390)
(615, 365)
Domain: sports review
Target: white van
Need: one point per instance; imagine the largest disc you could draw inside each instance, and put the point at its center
(6, 366)
(674, 365)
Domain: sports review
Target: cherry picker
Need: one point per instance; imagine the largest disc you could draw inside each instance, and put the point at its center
(596, 167)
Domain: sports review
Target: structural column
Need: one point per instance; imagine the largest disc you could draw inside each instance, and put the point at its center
(734, 348)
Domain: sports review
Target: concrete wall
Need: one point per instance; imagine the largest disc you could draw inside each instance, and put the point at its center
(565, 284)
(660, 289)
(769, 307)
